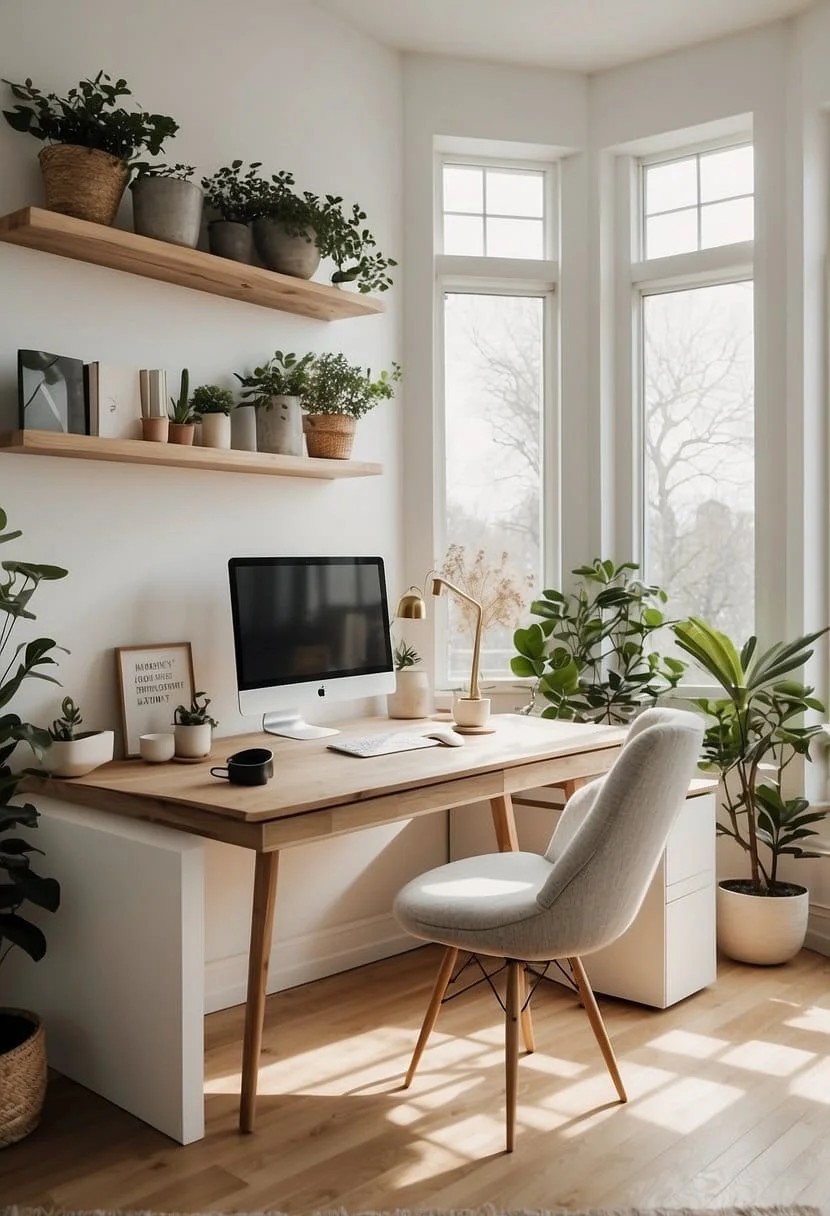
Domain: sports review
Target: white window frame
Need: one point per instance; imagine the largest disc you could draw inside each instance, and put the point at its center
(483, 275)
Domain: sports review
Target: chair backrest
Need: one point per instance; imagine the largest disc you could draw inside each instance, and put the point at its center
(603, 864)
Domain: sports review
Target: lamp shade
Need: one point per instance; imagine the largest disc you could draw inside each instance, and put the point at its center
(411, 606)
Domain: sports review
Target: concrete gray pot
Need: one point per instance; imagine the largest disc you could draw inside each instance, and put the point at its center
(292, 255)
(228, 239)
(167, 209)
(279, 426)
(243, 428)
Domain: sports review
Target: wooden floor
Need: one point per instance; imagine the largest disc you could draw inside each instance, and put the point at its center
(729, 1104)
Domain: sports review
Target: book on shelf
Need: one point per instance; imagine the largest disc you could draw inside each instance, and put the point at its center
(113, 400)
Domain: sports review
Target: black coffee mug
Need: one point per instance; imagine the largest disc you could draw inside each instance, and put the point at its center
(253, 766)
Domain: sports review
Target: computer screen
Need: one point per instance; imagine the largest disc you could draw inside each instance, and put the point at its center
(306, 629)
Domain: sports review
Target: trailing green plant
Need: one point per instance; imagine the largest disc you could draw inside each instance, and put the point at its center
(235, 195)
(211, 399)
(180, 173)
(353, 249)
(755, 733)
(336, 386)
(89, 116)
(405, 656)
(63, 728)
(196, 715)
(180, 410)
(284, 375)
(302, 215)
(19, 883)
(590, 656)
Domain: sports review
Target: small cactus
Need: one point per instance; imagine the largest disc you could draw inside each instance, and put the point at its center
(181, 410)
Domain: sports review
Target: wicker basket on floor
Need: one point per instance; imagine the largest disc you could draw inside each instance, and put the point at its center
(22, 1079)
(329, 435)
(83, 182)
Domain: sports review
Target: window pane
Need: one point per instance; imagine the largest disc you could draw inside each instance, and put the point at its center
(672, 233)
(464, 234)
(493, 393)
(515, 193)
(463, 189)
(515, 238)
(699, 453)
(670, 186)
(725, 174)
(725, 223)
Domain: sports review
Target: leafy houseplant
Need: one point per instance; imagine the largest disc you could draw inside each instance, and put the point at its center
(213, 406)
(74, 753)
(405, 656)
(231, 194)
(167, 206)
(339, 393)
(193, 727)
(354, 251)
(753, 737)
(412, 697)
(276, 390)
(22, 1046)
(182, 417)
(63, 728)
(590, 656)
(93, 139)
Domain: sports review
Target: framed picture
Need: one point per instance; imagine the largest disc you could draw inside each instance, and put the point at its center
(51, 395)
(152, 681)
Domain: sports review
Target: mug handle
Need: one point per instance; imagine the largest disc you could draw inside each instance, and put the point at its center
(220, 772)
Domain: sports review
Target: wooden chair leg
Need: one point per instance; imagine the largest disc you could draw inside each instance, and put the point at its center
(431, 1017)
(527, 1020)
(597, 1024)
(513, 1006)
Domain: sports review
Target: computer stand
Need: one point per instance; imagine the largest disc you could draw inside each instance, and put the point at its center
(291, 725)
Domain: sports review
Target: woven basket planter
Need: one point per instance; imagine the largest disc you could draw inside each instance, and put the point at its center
(83, 182)
(22, 1075)
(329, 435)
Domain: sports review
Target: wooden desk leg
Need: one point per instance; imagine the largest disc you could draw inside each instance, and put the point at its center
(505, 823)
(573, 784)
(262, 929)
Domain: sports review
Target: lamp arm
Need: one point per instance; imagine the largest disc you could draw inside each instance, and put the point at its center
(475, 695)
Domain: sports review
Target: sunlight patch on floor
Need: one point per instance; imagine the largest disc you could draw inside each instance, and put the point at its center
(687, 1043)
(552, 1066)
(443, 1095)
(687, 1105)
(814, 1018)
(813, 1084)
(771, 1058)
(430, 1160)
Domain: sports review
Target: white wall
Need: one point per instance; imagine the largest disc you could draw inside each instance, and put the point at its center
(270, 80)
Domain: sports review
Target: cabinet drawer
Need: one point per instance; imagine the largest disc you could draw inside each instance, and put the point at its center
(691, 846)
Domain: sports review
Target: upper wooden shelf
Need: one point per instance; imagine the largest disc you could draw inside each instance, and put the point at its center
(119, 250)
(138, 451)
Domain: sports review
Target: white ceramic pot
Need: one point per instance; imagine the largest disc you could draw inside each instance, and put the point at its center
(243, 428)
(193, 741)
(470, 711)
(764, 929)
(412, 697)
(76, 757)
(156, 748)
(216, 430)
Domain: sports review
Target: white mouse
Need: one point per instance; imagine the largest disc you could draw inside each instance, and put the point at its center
(445, 735)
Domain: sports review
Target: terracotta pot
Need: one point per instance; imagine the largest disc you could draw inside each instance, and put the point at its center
(763, 929)
(155, 429)
(22, 1074)
(83, 182)
(181, 432)
(329, 435)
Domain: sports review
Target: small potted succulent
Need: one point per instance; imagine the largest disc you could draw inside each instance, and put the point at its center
(213, 406)
(337, 394)
(412, 697)
(166, 204)
(229, 194)
(74, 752)
(182, 418)
(193, 728)
(92, 142)
(277, 390)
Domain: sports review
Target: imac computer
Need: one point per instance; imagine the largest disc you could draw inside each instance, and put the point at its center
(307, 629)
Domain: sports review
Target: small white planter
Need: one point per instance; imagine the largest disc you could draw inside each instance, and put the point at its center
(76, 757)
(412, 697)
(216, 430)
(193, 742)
(763, 929)
(243, 428)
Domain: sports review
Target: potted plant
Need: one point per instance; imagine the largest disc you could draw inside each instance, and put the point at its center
(213, 406)
(193, 728)
(92, 142)
(229, 193)
(753, 737)
(337, 394)
(276, 391)
(22, 1040)
(411, 698)
(182, 419)
(591, 657)
(75, 752)
(166, 204)
(286, 226)
(353, 249)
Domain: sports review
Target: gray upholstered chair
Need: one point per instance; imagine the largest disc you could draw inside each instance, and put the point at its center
(582, 894)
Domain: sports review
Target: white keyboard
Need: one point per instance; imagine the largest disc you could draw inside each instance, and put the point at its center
(381, 745)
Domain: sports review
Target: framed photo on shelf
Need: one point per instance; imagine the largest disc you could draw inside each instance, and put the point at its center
(152, 681)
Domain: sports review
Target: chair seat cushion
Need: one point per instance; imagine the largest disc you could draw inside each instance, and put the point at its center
(477, 903)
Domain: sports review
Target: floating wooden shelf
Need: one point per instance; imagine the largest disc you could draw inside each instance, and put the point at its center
(137, 451)
(85, 242)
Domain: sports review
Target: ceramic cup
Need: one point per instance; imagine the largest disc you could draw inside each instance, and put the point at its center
(253, 766)
(469, 712)
(156, 748)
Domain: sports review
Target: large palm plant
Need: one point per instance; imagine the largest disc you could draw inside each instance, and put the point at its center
(754, 736)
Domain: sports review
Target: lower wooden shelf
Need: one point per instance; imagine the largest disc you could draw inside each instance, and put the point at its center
(139, 451)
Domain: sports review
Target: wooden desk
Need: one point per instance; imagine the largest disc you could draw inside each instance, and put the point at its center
(317, 793)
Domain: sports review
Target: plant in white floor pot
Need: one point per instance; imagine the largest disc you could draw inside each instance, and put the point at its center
(754, 736)
(75, 752)
(412, 697)
(213, 406)
(193, 728)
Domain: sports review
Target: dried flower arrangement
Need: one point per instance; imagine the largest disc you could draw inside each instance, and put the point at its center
(501, 592)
